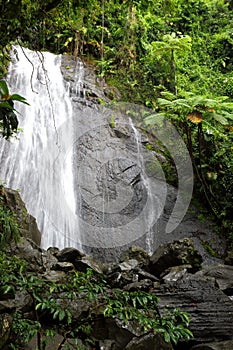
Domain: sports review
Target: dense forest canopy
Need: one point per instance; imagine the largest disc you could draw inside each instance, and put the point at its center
(173, 56)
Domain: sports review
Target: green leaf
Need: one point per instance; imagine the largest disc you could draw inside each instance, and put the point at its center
(4, 88)
(62, 315)
(7, 289)
(174, 337)
(38, 306)
(56, 314)
(228, 115)
(222, 120)
(19, 98)
(6, 104)
(164, 102)
(167, 337)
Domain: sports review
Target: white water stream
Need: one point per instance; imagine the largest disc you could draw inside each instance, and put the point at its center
(141, 163)
(39, 163)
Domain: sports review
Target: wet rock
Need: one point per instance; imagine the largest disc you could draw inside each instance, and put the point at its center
(145, 285)
(223, 275)
(181, 252)
(88, 262)
(6, 306)
(53, 250)
(144, 274)
(175, 273)
(149, 342)
(210, 310)
(128, 273)
(5, 327)
(113, 330)
(23, 301)
(63, 266)
(94, 90)
(54, 276)
(69, 255)
(107, 344)
(54, 342)
(137, 253)
(38, 259)
(26, 223)
(223, 345)
(229, 258)
(48, 260)
(121, 130)
(128, 265)
(77, 309)
(121, 279)
(29, 252)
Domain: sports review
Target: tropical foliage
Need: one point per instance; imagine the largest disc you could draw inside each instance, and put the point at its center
(56, 304)
(8, 117)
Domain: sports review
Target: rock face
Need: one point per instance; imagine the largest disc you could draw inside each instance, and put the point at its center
(223, 275)
(26, 223)
(223, 345)
(152, 342)
(124, 199)
(210, 309)
(201, 294)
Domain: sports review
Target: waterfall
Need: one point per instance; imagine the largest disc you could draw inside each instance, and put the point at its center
(38, 163)
(84, 181)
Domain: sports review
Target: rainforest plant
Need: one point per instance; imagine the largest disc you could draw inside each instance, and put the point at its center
(8, 117)
(9, 230)
(206, 125)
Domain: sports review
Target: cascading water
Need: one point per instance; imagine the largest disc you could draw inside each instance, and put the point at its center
(35, 164)
(141, 163)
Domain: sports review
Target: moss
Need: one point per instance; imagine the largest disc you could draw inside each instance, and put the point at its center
(112, 121)
(210, 250)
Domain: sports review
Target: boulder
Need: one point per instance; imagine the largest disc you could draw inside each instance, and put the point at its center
(119, 279)
(113, 330)
(145, 275)
(53, 343)
(88, 262)
(175, 273)
(69, 255)
(25, 250)
(22, 302)
(149, 342)
(54, 276)
(128, 265)
(137, 253)
(223, 345)
(223, 275)
(26, 223)
(145, 285)
(63, 266)
(181, 252)
(130, 272)
(6, 306)
(38, 259)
